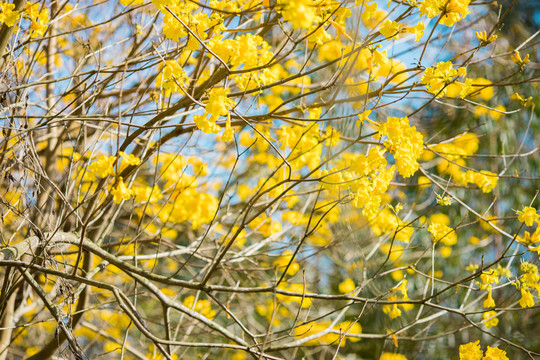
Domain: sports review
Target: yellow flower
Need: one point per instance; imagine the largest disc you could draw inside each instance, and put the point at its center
(444, 233)
(489, 302)
(228, 134)
(392, 309)
(171, 78)
(417, 30)
(130, 159)
(471, 267)
(120, 191)
(131, 2)
(516, 57)
(489, 277)
(482, 36)
(527, 215)
(444, 200)
(284, 260)
(529, 239)
(485, 180)
(438, 78)
(454, 10)
(39, 19)
(392, 356)
(9, 15)
(494, 353)
(301, 13)
(103, 166)
(493, 321)
(364, 116)
(404, 142)
(527, 299)
(470, 351)
(346, 286)
(203, 307)
(390, 29)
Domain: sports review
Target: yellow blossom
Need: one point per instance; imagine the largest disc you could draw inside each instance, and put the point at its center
(120, 191)
(516, 57)
(392, 356)
(346, 286)
(39, 19)
(203, 307)
(444, 200)
(489, 302)
(443, 233)
(8, 14)
(171, 78)
(284, 260)
(390, 29)
(494, 353)
(417, 30)
(528, 215)
(482, 36)
(527, 299)
(228, 134)
(493, 321)
(130, 159)
(470, 351)
(103, 166)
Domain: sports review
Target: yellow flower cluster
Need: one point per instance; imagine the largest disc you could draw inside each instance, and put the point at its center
(404, 142)
(180, 16)
(387, 222)
(393, 310)
(120, 191)
(296, 288)
(484, 39)
(346, 286)
(38, 19)
(203, 307)
(490, 319)
(312, 14)
(452, 10)
(485, 180)
(372, 180)
(218, 104)
(284, 260)
(186, 202)
(441, 232)
(392, 356)
(454, 155)
(528, 215)
(103, 166)
(529, 280)
(247, 51)
(392, 30)
(438, 79)
(473, 351)
(516, 57)
(305, 143)
(301, 13)
(9, 15)
(172, 78)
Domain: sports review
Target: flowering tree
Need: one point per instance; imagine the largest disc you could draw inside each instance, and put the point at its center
(268, 179)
